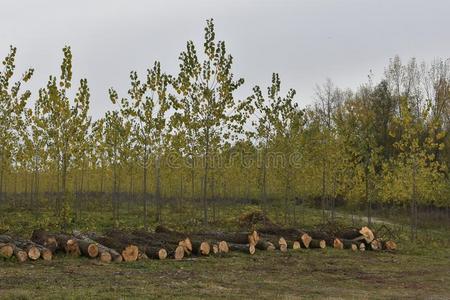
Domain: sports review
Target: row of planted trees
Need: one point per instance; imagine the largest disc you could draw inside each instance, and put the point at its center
(187, 138)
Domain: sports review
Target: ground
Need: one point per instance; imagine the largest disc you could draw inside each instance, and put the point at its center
(297, 274)
(419, 269)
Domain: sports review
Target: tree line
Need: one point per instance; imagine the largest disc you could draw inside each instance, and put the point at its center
(187, 138)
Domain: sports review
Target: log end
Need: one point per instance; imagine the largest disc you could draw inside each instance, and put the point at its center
(283, 248)
(72, 248)
(390, 245)
(179, 253)
(6, 250)
(375, 245)
(105, 257)
(215, 248)
(187, 246)
(92, 250)
(46, 254)
(21, 255)
(223, 247)
(251, 249)
(33, 253)
(362, 247)
(130, 253)
(296, 245)
(367, 233)
(337, 244)
(354, 247)
(306, 239)
(322, 244)
(205, 248)
(162, 253)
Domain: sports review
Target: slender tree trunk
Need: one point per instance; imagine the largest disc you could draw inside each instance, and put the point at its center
(264, 179)
(158, 189)
(323, 190)
(367, 196)
(414, 204)
(1, 177)
(205, 180)
(144, 190)
(131, 194)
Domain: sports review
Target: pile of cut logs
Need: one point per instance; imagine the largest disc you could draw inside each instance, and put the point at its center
(117, 245)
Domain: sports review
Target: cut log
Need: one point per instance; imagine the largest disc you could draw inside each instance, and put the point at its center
(183, 239)
(317, 244)
(295, 245)
(161, 239)
(337, 244)
(389, 245)
(68, 244)
(45, 239)
(375, 245)
(142, 255)
(367, 233)
(20, 255)
(253, 238)
(249, 248)
(236, 238)
(88, 249)
(349, 234)
(33, 250)
(6, 250)
(175, 252)
(201, 248)
(46, 254)
(105, 254)
(223, 247)
(282, 245)
(362, 247)
(348, 244)
(187, 245)
(156, 252)
(215, 248)
(289, 233)
(265, 245)
(305, 240)
(129, 252)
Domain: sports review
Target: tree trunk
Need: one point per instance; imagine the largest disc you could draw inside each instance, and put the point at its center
(158, 189)
(245, 248)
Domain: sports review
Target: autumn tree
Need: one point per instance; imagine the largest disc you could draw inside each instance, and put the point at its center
(205, 104)
(12, 105)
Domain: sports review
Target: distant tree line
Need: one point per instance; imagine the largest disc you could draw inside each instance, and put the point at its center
(187, 137)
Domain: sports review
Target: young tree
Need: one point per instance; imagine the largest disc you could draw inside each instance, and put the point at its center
(148, 110)
(205, 104)
(12, 105)
(64, 122)
(280, 123)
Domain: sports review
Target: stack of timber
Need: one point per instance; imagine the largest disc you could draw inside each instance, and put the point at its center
(164, 243)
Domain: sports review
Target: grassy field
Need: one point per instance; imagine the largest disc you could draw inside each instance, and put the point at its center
(417, 270)
(301, 274)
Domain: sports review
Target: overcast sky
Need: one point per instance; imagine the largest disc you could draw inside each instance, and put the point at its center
(304, 41)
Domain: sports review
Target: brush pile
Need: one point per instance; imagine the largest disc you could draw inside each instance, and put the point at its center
(164, 243)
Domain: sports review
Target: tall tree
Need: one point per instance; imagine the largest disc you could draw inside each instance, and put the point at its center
(205, 105)
(12, 105)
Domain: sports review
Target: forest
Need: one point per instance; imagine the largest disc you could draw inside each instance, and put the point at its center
(185, 140)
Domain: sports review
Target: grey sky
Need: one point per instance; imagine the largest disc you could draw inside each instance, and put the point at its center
(305, 41)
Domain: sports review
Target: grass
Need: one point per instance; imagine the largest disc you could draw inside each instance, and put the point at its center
(297, 274)
(418, 270)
